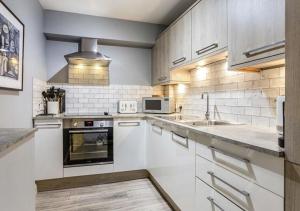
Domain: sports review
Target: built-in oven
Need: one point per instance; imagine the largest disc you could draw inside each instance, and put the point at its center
(88, 142)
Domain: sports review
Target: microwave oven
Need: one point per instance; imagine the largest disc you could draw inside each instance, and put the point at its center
(158, 105)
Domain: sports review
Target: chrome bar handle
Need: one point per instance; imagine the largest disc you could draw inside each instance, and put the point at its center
(155, 131)
(47, 125)
(214, 203)
(229, 154)
(185, 141)
(265, 49)
(208, 48)
(244, 193)
(87, 131)
(129, 124)
(182, 59)
(163, 78)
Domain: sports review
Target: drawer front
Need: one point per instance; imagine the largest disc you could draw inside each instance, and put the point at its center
(207, 199)
(244, 193)
(264, 170)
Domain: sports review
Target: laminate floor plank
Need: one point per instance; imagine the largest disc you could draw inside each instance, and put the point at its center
(135, 195)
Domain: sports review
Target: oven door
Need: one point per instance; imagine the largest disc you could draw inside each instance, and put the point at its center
(84, 146)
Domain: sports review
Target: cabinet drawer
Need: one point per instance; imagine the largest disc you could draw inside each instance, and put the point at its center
(262, 169)
(244, 193)
(210, 200)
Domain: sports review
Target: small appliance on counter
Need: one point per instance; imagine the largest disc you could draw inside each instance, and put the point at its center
(54, 101)
(127, 107)
(280, 104)
(158, 105)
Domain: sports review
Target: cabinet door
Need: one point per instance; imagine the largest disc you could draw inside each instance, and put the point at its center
(182, 172)
(153, 149)
(160, 71)
(256, 30)
(155, 65)
(129, 145)
(209, 27)
(164, 57)
(180, 41)
(48, 150)
(210, 200)
(158, 154)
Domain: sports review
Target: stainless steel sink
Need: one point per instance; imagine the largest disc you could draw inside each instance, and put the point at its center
(209, 123)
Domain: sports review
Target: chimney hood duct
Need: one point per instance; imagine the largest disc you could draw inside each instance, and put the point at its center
(89, 55)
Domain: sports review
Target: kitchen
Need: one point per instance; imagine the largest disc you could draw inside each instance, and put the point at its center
(178, 109)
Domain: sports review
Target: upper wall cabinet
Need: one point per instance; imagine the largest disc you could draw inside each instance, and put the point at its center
(180, 41)
(209, 28)
(155, 65)
(256, 32)
(161, 73)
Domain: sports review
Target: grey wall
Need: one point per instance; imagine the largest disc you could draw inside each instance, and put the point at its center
(16, 107)
(130, 66)
(55, 51)
(98, 27)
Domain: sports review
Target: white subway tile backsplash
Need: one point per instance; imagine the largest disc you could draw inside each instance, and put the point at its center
(98, 99)
(38, 86)
(245, 97)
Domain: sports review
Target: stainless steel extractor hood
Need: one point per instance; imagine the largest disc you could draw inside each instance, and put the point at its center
(88, 55)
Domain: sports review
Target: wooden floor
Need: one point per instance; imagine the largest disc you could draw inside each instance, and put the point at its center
(135, 195)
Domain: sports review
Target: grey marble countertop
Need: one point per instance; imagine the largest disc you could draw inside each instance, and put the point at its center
(261, 139)
(89, 116)
(11, 138)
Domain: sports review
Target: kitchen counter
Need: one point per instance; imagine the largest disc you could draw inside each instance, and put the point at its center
(89, 116)
(11, 138)
(256, 138)
(260, 139)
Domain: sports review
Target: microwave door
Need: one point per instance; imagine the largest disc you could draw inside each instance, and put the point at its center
(153, 105)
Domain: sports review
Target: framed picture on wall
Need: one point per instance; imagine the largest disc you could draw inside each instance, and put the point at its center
(11, 50)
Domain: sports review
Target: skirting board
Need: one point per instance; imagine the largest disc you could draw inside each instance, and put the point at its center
(98, 179)
(81, 181)
(163, 193)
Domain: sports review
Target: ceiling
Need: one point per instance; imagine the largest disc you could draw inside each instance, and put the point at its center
(149, 11)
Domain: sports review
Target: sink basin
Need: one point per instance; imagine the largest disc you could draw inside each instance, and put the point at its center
(209, 123)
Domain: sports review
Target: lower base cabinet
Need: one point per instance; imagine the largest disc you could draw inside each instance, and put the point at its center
(207, 199)
(17, 188)
(171, 161)
(129, 145)
(48, 149)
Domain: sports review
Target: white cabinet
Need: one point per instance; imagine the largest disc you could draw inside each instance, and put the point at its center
(171, 161)
(242, 192)
(264, 170)
(209, 27)
(17, 187)
(159, 155)
(182, 171)
(256, 31)
(180, 41)
(48, 149)
(210, 200)
(129, 145)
